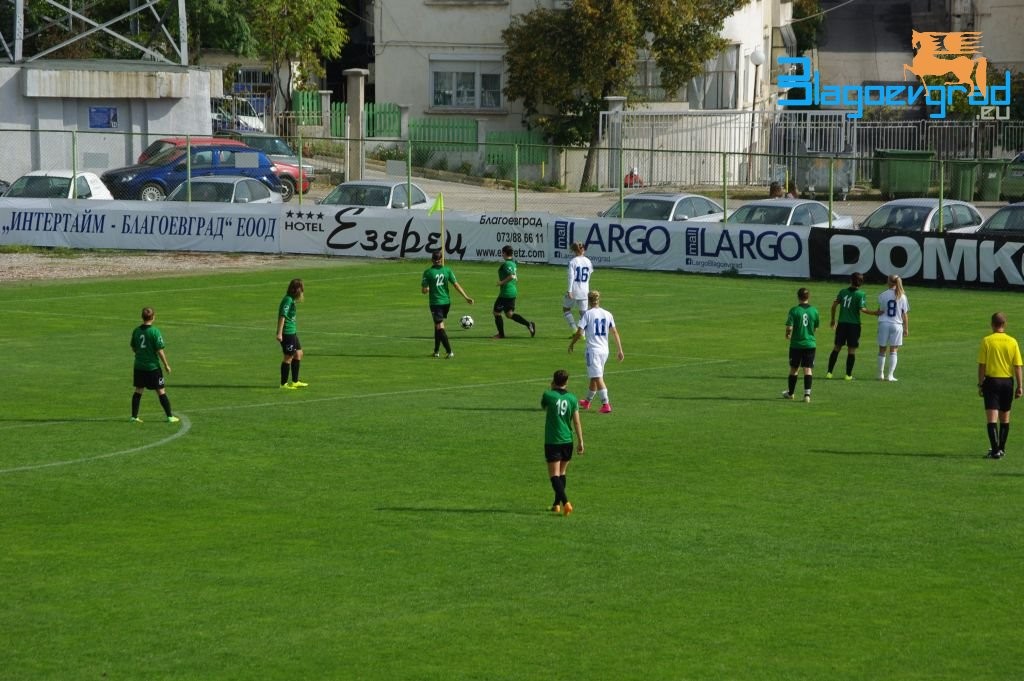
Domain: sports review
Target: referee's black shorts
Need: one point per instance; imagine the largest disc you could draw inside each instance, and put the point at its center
(997, 393)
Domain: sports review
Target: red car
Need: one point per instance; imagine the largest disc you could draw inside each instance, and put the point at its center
(291, 177)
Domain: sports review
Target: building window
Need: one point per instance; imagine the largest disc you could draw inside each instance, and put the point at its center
(718, 87)
(465, 84)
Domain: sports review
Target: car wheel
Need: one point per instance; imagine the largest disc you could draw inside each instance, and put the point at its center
(287, 188)
(152, 192)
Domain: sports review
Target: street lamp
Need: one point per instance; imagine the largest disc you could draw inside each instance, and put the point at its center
(757, 58)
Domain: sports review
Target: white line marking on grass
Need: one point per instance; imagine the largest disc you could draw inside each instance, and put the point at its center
(420, 391)
(186, 425)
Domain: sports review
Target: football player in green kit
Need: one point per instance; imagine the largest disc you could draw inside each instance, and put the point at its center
(435, 283)
(148, 345)
(288, 336)
(851, 301)
(508, 279)
(562, 418)
(801, 323)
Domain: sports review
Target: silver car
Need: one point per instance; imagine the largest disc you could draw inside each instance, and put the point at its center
(377, 194)
(225, 189)
(665, 207)
(1006, 220)
(922, 215)
(788, 212)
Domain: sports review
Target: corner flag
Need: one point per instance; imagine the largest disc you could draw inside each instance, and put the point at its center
(438, 205)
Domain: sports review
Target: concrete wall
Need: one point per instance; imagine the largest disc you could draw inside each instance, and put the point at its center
(45, 102)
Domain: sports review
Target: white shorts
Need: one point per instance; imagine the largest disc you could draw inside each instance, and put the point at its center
(890, 335)
(595, 363)
(579, 304)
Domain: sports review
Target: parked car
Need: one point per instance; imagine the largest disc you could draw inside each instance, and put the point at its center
(279, 151)
(922, 215)
(788, 212)
(56, 184)
(235, 113)
(1006, 220)
(289, 174)
(182, 141)
(161, 174)
(376, 193)
(225, 189)
(665, 207)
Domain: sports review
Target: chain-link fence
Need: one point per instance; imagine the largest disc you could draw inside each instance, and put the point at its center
(511, 177)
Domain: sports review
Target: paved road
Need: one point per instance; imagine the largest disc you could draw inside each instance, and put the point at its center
(472, 198)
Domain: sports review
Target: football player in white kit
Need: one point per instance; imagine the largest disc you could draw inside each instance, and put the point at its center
(893, 325)
(597, 323)
(580, 270)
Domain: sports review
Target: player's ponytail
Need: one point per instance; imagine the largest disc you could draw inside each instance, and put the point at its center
(896, 284)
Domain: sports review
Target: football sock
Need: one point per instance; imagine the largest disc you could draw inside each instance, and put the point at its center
(832, 358)
(136, 401)
(850, 359)
(444, 341)
(295, 370)
(570, 319)
(602, 395)
(792, 383)
(881, 365)
(892, 363)
(518, 318)
(437, 340)
(808, 379)
(590, 395)
(499, 323)
(165, 402)
(1004, 432)
(284, 372)
(561, 482)
(556, 484)
(993, 436)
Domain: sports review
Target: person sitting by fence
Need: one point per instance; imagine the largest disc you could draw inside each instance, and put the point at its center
(775, 190)
(793, 192)
(633, 179)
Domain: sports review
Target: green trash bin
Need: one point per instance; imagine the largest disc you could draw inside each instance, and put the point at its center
(1013, 182)
(904, 173)
(962, 178)
(990, 179)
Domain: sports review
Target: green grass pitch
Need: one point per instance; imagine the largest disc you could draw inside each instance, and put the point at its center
(390, 521)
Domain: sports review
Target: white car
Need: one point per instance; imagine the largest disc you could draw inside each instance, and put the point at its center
(788, 212)
(922, 215)
(56, 184)
(1006, 220)
(667, 207)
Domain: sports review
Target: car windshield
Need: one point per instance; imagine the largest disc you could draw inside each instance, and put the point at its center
(220, 192)
(164, 157)
(270, 145)
(358, 195)
(758, 214)
(1010, 219)
(905, 218)
(40, 187)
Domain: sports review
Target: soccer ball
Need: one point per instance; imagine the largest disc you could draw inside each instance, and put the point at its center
(466, 321)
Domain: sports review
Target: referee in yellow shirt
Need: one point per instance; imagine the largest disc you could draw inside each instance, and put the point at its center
(999, 362)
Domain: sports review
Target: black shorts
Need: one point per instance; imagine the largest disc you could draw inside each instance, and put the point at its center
(997, 393)
(801, 357)
(149, 378)
(847, 334)
(290, 343)
(562, 452)
(439, 313)
(504, 305)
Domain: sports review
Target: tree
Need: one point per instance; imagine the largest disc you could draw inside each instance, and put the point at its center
(297, 31)
(562, 64)
(807, 22)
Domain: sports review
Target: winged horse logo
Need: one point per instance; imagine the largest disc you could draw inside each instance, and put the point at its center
(938, 54)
